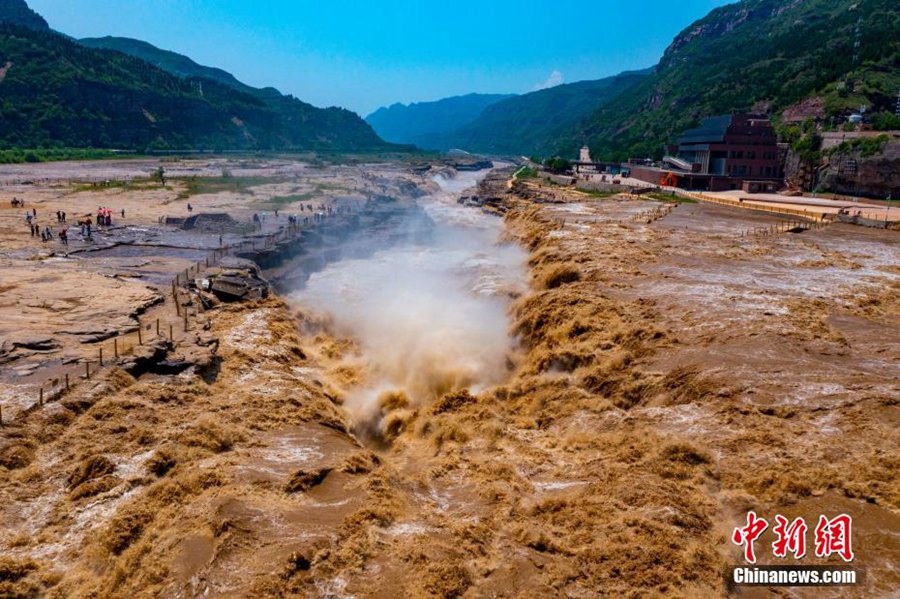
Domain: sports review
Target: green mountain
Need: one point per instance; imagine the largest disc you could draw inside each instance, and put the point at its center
(424, 123)
(173, 63)
(760, 55)
(17, 12)
(532, 123)
(56, 92)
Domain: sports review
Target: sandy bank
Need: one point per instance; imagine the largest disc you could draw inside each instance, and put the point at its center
(670, 376)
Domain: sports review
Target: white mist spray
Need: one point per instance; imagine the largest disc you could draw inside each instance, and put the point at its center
(430, 319)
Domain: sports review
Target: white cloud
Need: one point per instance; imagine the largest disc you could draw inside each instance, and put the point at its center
(555, 78)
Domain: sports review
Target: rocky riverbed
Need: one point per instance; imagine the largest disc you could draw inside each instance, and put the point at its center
(661, 379)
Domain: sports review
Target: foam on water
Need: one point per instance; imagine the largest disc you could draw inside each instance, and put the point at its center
(430, 318)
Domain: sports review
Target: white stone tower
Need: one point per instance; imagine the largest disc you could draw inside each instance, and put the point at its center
(585, 155)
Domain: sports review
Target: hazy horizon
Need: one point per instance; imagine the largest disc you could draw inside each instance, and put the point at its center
(399, 51)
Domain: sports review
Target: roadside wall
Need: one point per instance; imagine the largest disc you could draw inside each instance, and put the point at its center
(600, 186)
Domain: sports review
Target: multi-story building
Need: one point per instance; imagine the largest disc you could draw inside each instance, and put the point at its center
(725, 152)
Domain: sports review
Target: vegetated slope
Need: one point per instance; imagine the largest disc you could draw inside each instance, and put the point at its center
(56, 92)
(17, 12)
(757, 54)
(291, 112)
(172, 62)
(532, 123)
(422, 123)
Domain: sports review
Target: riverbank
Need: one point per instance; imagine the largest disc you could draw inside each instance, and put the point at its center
(75, 482)
(669, 376)
(65, 303)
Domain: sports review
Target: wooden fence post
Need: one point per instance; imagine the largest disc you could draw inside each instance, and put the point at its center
(140, 337)
(87, 369)
(67, 381)
(41, 397)
(116, 347)
(101, 356)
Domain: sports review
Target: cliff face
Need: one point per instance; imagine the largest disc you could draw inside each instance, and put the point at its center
(798, 174)
(720, 23)
(853, 172)
(875, 176)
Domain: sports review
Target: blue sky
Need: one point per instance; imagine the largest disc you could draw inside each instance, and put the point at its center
(364, 54)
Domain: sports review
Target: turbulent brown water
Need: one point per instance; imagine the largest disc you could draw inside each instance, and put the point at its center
(660, 380)
(430, 312)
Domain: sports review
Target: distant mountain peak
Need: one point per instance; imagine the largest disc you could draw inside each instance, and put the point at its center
(419, 122)
(17, 12)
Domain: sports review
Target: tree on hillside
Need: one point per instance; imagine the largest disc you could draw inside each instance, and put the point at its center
(557, 164)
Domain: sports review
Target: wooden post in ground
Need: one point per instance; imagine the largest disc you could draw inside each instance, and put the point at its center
(87, 369)
(41, 397)
(67, 381)
(116, 347)
(185, 321)
(101, 356)
(140, 336)
(171, 335)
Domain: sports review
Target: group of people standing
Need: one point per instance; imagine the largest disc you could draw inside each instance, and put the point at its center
(320, 213)
(104, 216)
(46, 233)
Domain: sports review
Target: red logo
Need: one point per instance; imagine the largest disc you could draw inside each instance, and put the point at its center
(791, 537)
(833, 536)
(748, 534)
